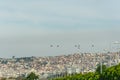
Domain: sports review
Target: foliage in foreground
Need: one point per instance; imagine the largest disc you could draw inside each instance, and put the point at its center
(111, 73)
(32, 76)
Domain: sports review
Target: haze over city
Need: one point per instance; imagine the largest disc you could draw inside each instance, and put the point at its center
(28, 28)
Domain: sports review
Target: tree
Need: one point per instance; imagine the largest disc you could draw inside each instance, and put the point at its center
(3, 79)
(98, 70)
(32, 76)
(112, 73)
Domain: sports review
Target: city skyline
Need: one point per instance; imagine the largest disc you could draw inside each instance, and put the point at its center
(28, 28)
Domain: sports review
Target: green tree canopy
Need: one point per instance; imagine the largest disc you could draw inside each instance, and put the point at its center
(98, 70)
(32, 76)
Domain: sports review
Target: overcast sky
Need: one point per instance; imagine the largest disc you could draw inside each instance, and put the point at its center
(29, 27)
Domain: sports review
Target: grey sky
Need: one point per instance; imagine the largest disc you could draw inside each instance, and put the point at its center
(28, 28)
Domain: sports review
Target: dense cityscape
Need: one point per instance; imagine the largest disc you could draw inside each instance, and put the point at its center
(48, 67)
(59, 40)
